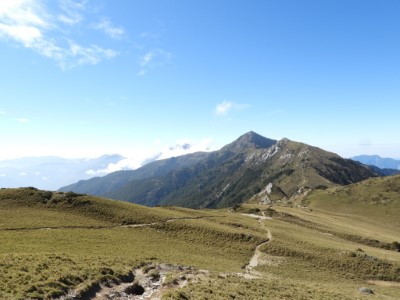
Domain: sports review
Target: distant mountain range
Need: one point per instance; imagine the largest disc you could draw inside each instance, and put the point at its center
(377, 161)
(51, 172)
(252, 167)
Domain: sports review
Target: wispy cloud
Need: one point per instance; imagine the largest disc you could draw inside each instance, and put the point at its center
(22, 120)
(28, 22)
(153, 59)
(222, 109)
(72, 11)
(186, 146)
(181, 147)
(79, 55)
(2, 112)
(110, 30)
(149, 35)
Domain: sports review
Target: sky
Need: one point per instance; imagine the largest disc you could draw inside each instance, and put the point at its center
(86, 78)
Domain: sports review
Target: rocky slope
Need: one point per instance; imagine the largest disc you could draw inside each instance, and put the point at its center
(252, 167)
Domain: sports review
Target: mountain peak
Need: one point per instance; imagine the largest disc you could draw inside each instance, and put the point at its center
(250, 140)
(282, 142)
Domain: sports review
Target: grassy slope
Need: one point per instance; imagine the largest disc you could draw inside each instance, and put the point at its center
(86, 243)
(371, 207)
(304, 260)
(320, 253)
(304, 263)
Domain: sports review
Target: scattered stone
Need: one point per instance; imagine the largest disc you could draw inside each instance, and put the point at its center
(143, 285)
(154, 275)
(366, 290)
(114, 295)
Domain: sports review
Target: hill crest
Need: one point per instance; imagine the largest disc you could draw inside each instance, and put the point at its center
(236, 173)
(249, 140)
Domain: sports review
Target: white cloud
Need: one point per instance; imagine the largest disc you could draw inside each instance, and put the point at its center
(125, 164)
(181, 147)
(24, 12)
(225, 107)
(146, 59)
(23, 174)
(110, 29)
(2, 112)
(22, 120)
(22, 20)
(153, 59)
(92, 172)
(22, 33)
(29, 23)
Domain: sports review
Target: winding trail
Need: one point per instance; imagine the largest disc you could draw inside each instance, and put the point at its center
(263, 217)
(110, 226)
(155, 289)
(256, 258)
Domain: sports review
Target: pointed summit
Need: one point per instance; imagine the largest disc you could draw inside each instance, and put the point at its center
(250, 140)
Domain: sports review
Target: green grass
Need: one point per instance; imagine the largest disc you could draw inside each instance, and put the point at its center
(375, 201)
(45, 237)
(42, 208)
(325, 252)
(117, 249)
(236, 287)
(320, 252)
(52, 242)
(304, 263)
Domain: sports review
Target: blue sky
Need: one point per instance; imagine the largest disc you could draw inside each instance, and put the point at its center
(85, 78)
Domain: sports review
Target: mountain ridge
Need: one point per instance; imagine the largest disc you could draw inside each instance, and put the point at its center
(376, 160)
(236, 173)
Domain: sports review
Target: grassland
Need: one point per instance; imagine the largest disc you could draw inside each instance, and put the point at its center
(51, 243)
(55, 242)
(306, 263)
(375, 201)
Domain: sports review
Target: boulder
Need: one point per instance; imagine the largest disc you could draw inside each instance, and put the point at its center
(366, 290)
